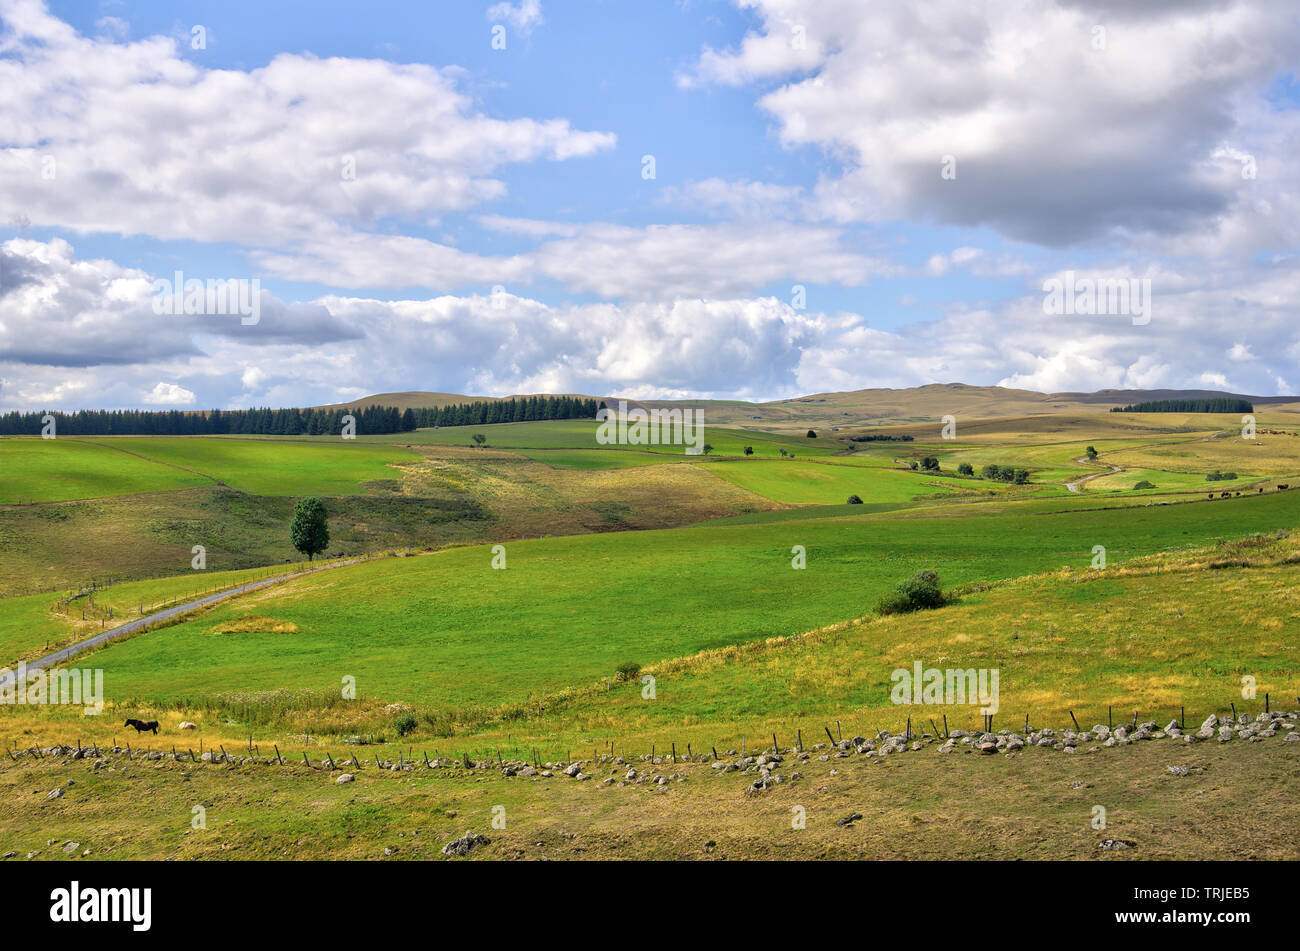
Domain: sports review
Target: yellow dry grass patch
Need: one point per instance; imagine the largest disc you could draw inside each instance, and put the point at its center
(530, 499)
(254, 624)
(1267, 455)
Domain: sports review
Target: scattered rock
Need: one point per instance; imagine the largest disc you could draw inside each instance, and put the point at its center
(849, 819)
(1114, 845)
(345, 778)
(187, 725)
(55, 793)
(1177, 770)
(463, 845)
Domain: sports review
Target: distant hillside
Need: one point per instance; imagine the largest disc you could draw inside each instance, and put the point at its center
(870, 407)
(419, 399)
(1124, 397)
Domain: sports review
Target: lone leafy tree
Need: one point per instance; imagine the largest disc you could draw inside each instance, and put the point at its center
(310, 531)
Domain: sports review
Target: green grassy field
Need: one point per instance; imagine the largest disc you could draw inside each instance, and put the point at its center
(32, 624)
(81, 468)
(45, 470)
(277, 467)
(681, 565)
(446, 630)
(805, 482)
(1188, 482)
(1071, 641)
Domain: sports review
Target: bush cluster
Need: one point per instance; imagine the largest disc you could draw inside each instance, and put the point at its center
(920, 592)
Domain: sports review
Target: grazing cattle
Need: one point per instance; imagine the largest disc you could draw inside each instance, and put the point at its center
(1261, 488)
(143, 726)
(1281, 487)
(1225, 495)
(1211, 495)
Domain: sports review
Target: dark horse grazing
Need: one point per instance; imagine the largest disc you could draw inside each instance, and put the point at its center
(142, 726)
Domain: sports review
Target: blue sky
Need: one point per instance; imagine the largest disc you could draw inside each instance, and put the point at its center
(795, 144)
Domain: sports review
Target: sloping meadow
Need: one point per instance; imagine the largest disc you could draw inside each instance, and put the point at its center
(448, 630)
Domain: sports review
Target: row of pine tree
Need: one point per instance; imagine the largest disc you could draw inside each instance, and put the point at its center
(372, 420)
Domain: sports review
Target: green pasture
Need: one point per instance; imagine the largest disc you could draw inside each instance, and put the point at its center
(28, 623)
(47, 470)
(798, 481)
(82, 468)
(1081, 644)
(447, 630)
(1161, 479)
(275, 467)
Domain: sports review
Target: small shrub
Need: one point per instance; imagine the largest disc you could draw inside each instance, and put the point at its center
(920, 592)
(1144, 484)
(405, 723)
(854, 500)
(627, 671)
(965, 469)
(812, 434)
